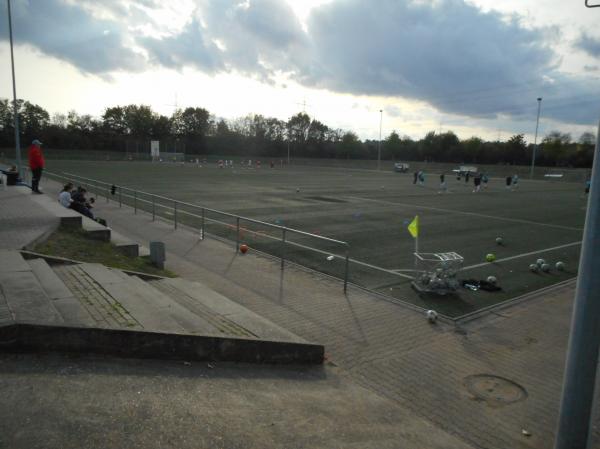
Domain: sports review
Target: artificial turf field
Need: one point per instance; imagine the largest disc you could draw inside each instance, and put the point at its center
(371, 210)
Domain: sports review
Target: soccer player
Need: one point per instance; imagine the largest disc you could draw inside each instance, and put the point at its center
(477, 182)
(508, 181)
(515, 181)
(443, 187)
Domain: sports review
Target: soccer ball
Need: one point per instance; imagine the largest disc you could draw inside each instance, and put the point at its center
(297, 190)
(243, 248)
(490, 257)
(492, 279)
(546, 267)
(560, 266)
(499, 240)
(431, 315)
(533, 267)
(540, 262)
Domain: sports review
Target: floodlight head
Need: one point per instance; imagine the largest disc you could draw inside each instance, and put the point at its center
(587, 3)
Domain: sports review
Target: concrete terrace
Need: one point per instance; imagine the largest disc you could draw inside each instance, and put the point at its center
(492, 382)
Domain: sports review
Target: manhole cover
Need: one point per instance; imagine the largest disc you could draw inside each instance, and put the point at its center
(495, 390)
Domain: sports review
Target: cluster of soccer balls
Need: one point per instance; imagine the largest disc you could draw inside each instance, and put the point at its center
(542, 265)
(539, 265)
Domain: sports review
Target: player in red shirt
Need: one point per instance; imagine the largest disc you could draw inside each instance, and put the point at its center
(36, 164)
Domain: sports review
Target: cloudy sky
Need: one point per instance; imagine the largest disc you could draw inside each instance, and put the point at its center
(473, 66)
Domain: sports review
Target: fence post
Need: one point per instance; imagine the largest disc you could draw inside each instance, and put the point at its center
(202, 225)
(120, 198)
(283, 248)
(153, 207)
(346, 269)
(135, 201)
(175, 213)
(237, 235)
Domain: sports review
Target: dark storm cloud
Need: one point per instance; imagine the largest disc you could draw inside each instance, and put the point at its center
(430, 52)
(188, 48)
(69, 32)
(589, 45)
(259, 36)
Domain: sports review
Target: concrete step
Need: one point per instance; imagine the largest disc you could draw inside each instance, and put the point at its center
(63, 299)
(67, 217)
(218, 322)
(149, 308)
(228, 314)
(190, 322)
(24, 296)
(95, 230)
(127, 246)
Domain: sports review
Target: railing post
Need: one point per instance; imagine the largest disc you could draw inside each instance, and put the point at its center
(175, 213)
(153, 207)
(120, 198)
(202, 225)
(283, 248)
(135, 201)
(346, 269)
(237, 235)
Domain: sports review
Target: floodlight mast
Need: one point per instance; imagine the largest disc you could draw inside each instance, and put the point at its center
(537, 124)
(15, 107)
(379, 144)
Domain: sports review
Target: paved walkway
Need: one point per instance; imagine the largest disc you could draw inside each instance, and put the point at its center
(485, 382)
(21, 219)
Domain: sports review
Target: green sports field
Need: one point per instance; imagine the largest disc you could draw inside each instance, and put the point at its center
(371, 211)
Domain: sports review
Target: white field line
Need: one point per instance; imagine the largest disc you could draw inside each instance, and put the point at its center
(518, 256)
(474, 214)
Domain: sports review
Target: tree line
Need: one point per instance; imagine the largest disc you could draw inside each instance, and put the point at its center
(194, 130)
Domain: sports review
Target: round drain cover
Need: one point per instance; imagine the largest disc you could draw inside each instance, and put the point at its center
(495, 390)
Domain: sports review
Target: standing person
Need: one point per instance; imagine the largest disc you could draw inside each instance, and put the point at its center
(467, 177)
(416, 175)
(477, 182)
(421, 178)
(508, 181)
(588, 183)
(515, 181)
(484, 179)
(36, 164)
(443, 187)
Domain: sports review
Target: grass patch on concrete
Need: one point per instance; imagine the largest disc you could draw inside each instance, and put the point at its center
(75, 244)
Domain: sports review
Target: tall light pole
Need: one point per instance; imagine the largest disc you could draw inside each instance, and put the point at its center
(15, 108)
(537, 124)
(379, 145)
(575, 424)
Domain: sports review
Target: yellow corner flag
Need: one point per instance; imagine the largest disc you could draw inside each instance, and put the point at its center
(413, 227)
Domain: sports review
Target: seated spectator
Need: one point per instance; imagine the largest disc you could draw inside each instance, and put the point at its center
(64, 197)
(80, 202)
(12, 176)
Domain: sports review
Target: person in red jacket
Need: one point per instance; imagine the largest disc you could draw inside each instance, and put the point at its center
(36, 164)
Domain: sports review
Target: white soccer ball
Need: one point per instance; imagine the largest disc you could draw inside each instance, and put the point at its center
(560, 266)
(499, 240)
(546, 267)
(540, 262)
(492, 280)
(431, 315)
(533, 267)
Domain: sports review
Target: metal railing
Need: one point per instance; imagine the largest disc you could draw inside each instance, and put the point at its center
(200, 217)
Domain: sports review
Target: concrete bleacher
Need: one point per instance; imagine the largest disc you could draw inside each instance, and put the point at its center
(53, 304)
